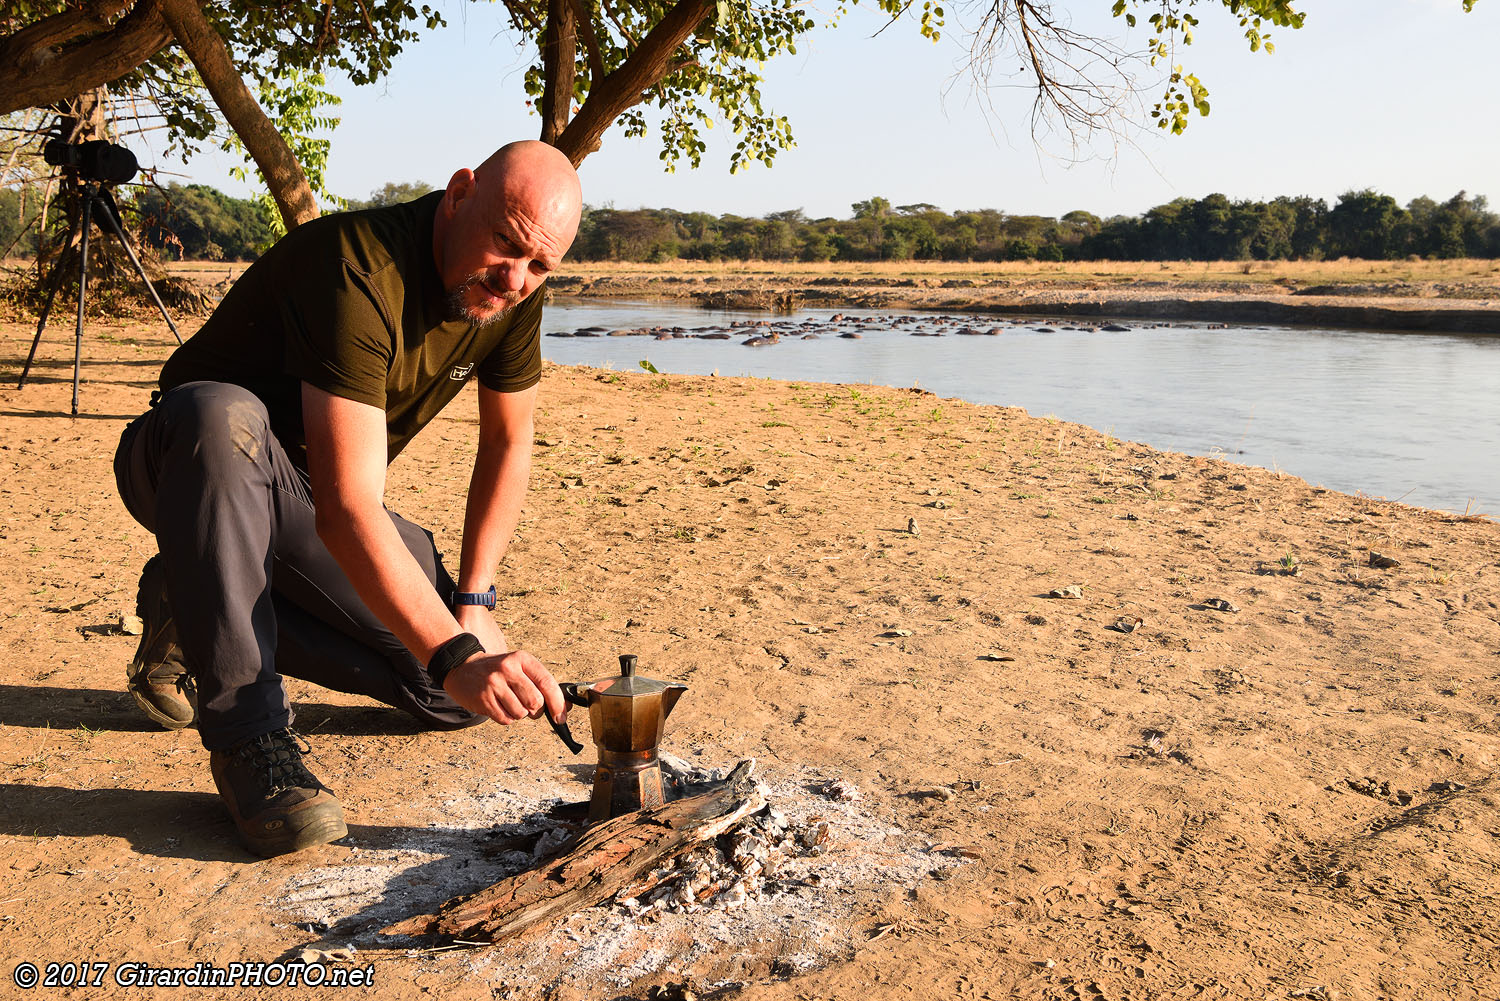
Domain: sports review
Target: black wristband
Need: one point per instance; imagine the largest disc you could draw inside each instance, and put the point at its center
(451, 654)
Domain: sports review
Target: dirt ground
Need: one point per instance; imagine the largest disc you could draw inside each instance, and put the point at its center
(1294, 799)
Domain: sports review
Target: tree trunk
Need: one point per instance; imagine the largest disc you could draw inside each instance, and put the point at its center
(77, 50)
(559, 62)
(278, 165)
(623, 89)
(605, 859)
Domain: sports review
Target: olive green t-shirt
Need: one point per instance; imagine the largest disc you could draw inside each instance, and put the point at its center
(352, 303)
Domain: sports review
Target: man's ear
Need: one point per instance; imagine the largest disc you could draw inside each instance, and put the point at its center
(460, 186)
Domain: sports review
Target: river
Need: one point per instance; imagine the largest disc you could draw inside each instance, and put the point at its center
(1409, 417)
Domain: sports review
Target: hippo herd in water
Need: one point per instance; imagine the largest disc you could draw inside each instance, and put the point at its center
(766, 332)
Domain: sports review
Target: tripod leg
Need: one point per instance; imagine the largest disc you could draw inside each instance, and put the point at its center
(56, 280)
(83, 281)
(115, 225)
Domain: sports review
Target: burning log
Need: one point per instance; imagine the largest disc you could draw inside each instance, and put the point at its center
(605, 859)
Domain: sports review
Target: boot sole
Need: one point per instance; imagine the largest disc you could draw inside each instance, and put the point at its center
(318, 831)
(158, 717)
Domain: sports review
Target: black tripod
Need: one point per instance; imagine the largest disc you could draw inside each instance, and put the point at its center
(91, 195)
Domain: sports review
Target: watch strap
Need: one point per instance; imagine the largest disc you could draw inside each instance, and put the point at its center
(484, 598)
(451, 654)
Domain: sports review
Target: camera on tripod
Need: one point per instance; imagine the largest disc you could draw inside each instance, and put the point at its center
(95, 160)
(95, 163)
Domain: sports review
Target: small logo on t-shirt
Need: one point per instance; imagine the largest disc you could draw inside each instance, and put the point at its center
(461, 372)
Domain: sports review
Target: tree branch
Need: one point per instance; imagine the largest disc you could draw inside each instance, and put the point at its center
(325, 32)
(559, 63)
(625, 87)
(522, 15)
(39, 66)
(590, 41)
(210, 56)
(613, 19)
(1081, 83)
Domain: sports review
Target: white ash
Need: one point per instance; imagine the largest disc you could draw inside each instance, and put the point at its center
(840, 789)
(680, 777)
(797, 916)
(738, 867)
(780, 888)
(550, 841)
(386, 878)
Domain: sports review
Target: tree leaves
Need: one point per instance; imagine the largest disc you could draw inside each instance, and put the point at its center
(1172, 23)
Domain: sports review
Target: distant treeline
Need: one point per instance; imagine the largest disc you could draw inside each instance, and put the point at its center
(179, 221)
(1361, 224)
(197, 222)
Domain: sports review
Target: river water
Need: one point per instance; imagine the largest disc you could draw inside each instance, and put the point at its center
(1409, 417)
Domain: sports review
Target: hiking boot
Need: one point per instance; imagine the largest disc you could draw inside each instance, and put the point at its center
(159, 677)
(276, 803)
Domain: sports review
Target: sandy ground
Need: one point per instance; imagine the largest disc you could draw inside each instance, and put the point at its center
(1296, 799)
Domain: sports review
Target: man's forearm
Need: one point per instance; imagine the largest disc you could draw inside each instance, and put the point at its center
(496, 491)
(388, 578)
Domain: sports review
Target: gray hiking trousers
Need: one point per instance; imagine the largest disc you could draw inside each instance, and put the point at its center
(254, 593)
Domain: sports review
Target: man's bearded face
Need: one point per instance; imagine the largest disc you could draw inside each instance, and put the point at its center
(475, 300)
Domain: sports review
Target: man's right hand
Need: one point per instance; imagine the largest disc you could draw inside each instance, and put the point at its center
(506, 687)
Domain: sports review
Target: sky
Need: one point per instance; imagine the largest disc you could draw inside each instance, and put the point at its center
(1395, 95)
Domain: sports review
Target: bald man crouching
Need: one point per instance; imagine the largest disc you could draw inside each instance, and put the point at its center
(261, 464)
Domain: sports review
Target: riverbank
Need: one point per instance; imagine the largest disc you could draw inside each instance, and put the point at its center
(1246, 762)
(1450, 296)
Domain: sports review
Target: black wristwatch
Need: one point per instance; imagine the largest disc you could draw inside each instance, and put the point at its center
(485, 598)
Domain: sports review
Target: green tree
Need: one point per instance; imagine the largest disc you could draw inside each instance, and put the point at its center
(774, 240)
(1366, 224)
(1275, 224)
(18, 219)
(961, 243)
(816, 246)
(197, 222)
(256, 70)
(390, 193)
(1458, 225)
(1310, 227)
(1082, 223)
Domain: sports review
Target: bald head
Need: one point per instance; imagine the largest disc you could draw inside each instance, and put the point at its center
(503, 226)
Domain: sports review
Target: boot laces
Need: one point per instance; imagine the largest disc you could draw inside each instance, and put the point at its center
(277, 758)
